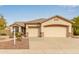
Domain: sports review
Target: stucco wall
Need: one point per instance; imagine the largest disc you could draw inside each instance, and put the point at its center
(30, 25)
(58, 21)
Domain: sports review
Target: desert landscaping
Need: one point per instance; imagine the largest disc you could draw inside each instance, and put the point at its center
(8, 43)
(53, 33)
(48, 45)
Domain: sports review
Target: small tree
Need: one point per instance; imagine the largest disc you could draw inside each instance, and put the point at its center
(76, 25)
(2, 23)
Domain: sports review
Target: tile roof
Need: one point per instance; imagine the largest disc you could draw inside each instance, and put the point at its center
(41, 20)
(37, 20)
(18, 23)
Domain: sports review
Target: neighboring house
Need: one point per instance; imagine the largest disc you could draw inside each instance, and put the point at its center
(56, 26)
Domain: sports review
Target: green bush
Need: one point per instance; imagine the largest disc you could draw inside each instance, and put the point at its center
(3, 33)
(77, 32)
(18, 36)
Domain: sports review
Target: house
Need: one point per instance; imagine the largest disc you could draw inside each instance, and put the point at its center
(55, 26)
(18, 26)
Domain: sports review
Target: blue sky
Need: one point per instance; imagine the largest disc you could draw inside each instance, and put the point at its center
(14, 13)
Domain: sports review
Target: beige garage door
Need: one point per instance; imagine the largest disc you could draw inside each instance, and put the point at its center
(33, 32)
(55, 31)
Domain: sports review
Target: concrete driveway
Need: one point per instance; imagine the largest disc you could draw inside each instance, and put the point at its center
(54, 45)
(49, 45)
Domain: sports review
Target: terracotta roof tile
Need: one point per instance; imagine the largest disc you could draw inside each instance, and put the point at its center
(41, 20)
(37, 20)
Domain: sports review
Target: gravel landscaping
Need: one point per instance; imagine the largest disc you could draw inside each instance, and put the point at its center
(42, 45)
(23, 44)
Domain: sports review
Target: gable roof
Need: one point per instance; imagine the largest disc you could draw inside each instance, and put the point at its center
(18, 24)
(42, 20)
(62, 18)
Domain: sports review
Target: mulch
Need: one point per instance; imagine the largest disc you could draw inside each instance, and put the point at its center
(23, 44)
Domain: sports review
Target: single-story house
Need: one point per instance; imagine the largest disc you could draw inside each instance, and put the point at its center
(55, 26)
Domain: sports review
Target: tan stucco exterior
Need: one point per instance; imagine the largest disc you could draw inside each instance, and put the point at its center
(59, 21)
(54, 31)
(61, 31)
(53, 27)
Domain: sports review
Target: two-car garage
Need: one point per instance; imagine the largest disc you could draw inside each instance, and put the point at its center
(51, 31)
(55, 31)
(53, 27)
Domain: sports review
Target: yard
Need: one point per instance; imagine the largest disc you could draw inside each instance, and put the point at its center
(48, 45)
(8, 43)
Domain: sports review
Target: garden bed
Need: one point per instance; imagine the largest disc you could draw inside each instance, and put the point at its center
(23, 44)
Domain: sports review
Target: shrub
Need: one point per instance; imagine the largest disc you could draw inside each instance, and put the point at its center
(77, 32)
(18, 36)
(3, 32)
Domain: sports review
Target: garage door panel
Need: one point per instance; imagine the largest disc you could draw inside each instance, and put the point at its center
(55, 32)
(33, 32)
